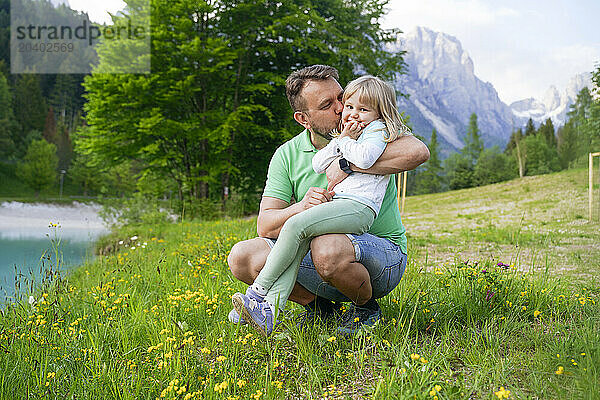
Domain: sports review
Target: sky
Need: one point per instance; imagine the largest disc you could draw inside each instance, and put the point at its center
(98, 9)
(520, 46)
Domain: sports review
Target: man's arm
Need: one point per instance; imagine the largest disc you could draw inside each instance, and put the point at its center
(403, 154)
(274, 212)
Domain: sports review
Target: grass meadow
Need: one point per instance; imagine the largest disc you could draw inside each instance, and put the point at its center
(499, 301)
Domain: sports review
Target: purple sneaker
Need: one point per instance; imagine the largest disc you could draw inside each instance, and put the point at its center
(256, 313)
(234, 316)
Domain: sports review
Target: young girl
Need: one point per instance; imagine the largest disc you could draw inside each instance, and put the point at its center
(370, 120)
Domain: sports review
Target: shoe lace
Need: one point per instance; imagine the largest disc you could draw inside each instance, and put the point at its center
(253, 304)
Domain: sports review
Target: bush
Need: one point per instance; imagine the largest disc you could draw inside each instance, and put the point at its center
(38, 168)
(139, 209)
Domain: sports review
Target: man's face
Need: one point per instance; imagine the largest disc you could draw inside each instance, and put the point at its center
(323, 106)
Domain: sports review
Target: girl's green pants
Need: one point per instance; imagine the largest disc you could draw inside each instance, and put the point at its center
(282, 265)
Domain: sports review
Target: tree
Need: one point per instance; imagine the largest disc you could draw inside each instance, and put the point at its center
(429, 179)
(463, 173)
(567, 144)
(541, 158)
(8, 126)
(84, 175)
(546, 130)
(492, 166)
(29, 107)
(213, 110)
(473, 143)
(530, 128)
(580, 115)
(38, 168)
(461, 167)
(516, 149)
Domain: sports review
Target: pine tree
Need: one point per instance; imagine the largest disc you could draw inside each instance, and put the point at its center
(49, 132)
(473, 143)
(493, 166)
(463, 165)
(429, 179)
(463, 176)
(546, 130)
(530, 128)
(584, 117)
(8, 126)
(567, 144)
(541, 158)
(29, 107)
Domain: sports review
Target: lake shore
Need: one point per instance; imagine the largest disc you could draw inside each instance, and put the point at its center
(33, 220)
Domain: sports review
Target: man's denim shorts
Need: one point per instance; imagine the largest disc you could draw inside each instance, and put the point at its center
(384, 260)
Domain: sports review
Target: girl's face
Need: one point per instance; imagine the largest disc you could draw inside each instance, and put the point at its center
(354, 110)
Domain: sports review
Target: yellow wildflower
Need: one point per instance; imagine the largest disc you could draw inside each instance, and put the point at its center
(502, 393)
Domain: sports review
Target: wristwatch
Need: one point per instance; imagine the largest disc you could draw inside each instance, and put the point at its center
(345, 166)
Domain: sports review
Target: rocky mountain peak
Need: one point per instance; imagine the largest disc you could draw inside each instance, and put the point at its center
(444, 91)
(554, 104)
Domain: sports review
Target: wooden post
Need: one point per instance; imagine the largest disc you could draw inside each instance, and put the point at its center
(591, 185)
(404, 191)
(401, 192)
(398, 186)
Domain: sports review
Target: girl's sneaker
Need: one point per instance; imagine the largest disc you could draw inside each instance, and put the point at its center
(234, 316)
(256, 313)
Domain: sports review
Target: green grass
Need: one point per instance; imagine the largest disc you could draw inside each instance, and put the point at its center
(151, 321)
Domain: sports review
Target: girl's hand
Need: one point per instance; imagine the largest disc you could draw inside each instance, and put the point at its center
(352, 129)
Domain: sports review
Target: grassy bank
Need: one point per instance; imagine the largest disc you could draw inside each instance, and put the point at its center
(148, 320)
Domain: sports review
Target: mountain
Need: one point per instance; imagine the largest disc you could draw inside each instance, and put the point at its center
(443, 91)
(554, 105)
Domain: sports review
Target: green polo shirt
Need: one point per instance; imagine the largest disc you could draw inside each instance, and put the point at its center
(291, 174)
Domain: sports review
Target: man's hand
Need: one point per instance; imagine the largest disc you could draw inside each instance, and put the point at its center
(274, 212)
(316, 196)
(334, 174)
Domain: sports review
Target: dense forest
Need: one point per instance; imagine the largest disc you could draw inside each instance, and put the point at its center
(203, 125)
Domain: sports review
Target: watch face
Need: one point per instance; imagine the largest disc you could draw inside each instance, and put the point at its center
(345, 166)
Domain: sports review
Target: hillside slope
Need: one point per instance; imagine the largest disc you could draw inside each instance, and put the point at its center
(532, 223)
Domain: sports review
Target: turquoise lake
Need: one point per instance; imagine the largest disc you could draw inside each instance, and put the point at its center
(28, 245)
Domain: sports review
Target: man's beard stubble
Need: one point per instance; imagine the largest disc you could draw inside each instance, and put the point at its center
(327, 134)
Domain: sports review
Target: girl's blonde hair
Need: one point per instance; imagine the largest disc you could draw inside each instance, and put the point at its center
(380, 96)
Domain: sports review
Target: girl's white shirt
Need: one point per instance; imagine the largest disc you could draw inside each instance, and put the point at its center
(365, 188)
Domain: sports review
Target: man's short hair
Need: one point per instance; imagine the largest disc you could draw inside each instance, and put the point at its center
(298, 80)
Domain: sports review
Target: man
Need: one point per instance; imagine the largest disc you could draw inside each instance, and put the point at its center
(339, 267)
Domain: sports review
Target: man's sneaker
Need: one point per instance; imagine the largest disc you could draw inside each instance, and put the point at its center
(323, 310)
(234, 317)
(357, 318)
(258, 314)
